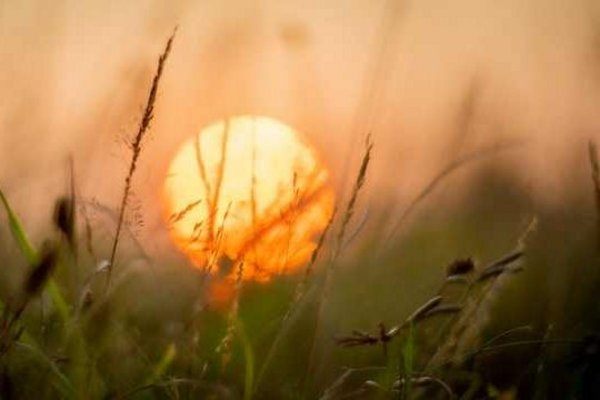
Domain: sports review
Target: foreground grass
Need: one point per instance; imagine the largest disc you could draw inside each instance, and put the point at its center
(473, 303)
(427, 331)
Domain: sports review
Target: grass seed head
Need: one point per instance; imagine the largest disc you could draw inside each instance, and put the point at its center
(41, 271)
(460, 267)
(64, 217)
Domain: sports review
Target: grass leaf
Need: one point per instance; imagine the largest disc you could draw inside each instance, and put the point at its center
(62, 383)
(32, 256)
(248, 360)
(18, 233)
(408, 354)
(164, 363)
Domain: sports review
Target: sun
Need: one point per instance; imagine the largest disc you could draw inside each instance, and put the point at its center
(247, 191)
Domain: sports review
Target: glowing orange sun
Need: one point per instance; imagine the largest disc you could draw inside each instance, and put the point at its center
(247, 190)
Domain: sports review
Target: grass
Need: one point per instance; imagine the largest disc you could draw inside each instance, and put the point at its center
(435, 328)
(136, 150)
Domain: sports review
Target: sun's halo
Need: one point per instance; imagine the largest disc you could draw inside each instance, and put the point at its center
(247, 190)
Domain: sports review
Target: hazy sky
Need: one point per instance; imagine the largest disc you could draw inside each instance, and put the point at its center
(430, 79)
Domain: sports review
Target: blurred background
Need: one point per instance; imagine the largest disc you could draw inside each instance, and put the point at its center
(515, 82)
(430, 82)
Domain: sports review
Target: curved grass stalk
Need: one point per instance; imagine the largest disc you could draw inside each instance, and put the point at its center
(64, 385)
(136, 150)
(453, 166)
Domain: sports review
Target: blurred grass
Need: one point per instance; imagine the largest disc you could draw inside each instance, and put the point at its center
(146, 337)
(142, 335)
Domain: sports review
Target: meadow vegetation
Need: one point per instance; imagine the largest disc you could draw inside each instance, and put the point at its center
(496, 299)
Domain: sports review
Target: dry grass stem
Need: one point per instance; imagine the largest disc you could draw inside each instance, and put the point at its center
(453, 166)
(178, 216)
(346, 218)
(358, 184)
(136, 150)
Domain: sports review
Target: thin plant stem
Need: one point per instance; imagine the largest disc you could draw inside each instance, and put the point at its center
(136, 150)
(439, 178)
(346, 218)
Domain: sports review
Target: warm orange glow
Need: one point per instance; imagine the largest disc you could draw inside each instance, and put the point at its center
(247, 189)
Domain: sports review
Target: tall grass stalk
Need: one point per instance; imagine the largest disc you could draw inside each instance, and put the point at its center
(408, 357)
(358, 184)
(136, 150)
(38, 279)
(346, 218)
(453, 166)
(224, 349)
(299, 294)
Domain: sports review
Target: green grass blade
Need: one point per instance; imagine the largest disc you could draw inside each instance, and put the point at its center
(62, 383)
(31, 255)
(58, 300)
(393, 357)
(164, 363)
(408, 353)
(16, 228)
(248, 359)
